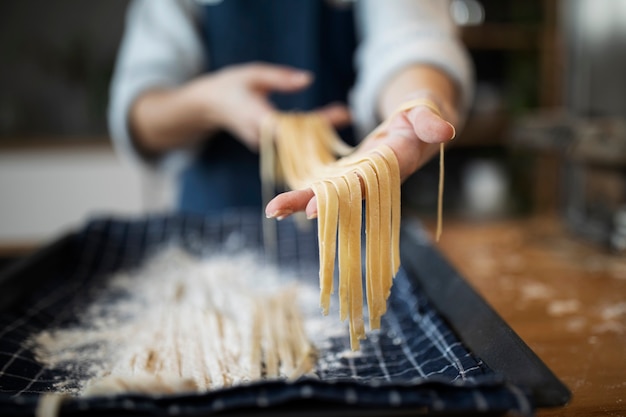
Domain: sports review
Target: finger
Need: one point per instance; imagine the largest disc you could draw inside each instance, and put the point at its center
(311, 208)
(337, 114)
(277, 78)
(288, 203)
(428, 126)
(247, 129)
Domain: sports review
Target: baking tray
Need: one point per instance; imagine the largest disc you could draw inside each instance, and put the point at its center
(442, 351)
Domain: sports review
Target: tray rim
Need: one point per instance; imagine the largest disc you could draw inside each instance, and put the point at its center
(510, 357)
(475, 322)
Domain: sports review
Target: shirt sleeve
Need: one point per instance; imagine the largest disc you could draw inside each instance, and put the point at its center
(395, 34)
(161, 47)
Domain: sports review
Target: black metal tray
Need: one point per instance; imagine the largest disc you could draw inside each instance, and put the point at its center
(456, 356)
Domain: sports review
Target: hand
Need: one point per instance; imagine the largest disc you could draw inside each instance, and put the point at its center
(413, 135)
(236, 98)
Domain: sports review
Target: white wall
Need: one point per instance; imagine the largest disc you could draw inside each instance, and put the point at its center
(44, 192)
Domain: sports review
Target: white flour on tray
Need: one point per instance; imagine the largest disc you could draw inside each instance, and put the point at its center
(181, 323)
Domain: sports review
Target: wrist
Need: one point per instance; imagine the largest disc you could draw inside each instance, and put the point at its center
(196, 100)
(415, 81)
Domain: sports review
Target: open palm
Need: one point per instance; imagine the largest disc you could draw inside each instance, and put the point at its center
(414, 135)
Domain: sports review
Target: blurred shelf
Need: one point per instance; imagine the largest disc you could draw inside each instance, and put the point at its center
(501, 36)
(52, 143)
(484, 130)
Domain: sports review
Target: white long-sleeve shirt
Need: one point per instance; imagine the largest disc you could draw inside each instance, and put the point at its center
(163, 47)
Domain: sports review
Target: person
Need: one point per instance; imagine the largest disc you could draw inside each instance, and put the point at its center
(195, 79)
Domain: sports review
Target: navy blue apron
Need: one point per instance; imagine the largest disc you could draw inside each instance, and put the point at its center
(306, 34)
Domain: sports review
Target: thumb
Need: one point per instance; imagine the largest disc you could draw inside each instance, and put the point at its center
(278, 78)
(336, 114)
(429, 126)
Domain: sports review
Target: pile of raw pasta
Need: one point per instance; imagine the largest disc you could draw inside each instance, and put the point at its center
(182, 324)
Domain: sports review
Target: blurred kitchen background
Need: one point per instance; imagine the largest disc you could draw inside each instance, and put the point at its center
(546, 135)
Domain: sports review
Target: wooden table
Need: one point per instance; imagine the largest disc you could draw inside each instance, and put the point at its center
(564, 297)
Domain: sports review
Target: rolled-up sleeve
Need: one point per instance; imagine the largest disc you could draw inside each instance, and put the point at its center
(395, 34)
(161, 48)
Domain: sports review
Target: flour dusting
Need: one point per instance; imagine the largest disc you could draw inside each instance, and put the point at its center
(181, 324)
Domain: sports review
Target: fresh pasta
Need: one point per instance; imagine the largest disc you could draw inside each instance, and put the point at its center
(303, 151)
(183, 325)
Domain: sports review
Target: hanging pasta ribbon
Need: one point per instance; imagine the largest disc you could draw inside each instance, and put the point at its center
(341, 179)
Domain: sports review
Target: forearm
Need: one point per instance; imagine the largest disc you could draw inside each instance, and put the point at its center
(420, 80)
(166, 119)
(233, 99)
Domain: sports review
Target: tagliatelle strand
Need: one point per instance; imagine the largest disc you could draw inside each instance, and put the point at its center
(356, 287)
(440, 195)
(372, 226)
(396, 206)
